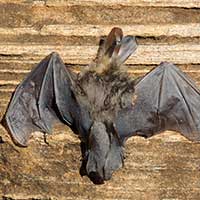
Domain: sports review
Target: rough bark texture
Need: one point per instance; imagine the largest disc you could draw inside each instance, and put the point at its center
(165, 167)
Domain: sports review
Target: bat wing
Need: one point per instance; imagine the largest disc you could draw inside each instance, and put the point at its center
(43, 97)
(166, 99)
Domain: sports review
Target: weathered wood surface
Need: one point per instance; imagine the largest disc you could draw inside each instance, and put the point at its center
(156, 3)
(181, 30)
(165, 167)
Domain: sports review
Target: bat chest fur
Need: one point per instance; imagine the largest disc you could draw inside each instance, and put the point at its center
(103, 95)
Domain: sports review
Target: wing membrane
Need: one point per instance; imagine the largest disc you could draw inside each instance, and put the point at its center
(43, 97)
(167, 99)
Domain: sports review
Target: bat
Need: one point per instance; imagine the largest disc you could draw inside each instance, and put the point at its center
(103, 105)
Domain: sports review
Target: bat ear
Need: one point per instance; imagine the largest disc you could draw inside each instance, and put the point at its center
(121, 52)
(113, 40)
(115, 49)
(108, 44)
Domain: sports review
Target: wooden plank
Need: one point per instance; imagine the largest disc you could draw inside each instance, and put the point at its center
(13, 71)
(6, 82)
(90, 34)
(181, 30)
(164, 167)
(19, 31)
(154, 3)
(145, 54)
(28, 15)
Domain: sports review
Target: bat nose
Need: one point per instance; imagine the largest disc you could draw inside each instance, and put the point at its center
(96, 178)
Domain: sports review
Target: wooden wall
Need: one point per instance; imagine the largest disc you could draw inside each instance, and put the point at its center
(165, 167)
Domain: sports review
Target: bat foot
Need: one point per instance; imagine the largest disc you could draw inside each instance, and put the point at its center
(96, 178)
(93, 176)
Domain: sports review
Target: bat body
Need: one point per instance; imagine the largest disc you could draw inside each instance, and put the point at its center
(103, 105)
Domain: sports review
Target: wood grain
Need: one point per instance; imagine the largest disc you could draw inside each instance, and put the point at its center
(179, 30)
(165, 167)
(14, 15)
(145, 54)
(142, 3)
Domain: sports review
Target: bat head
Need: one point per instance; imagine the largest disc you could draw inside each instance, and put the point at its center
(105, 154)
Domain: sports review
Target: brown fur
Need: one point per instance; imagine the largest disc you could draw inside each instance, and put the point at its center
(104, 94)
